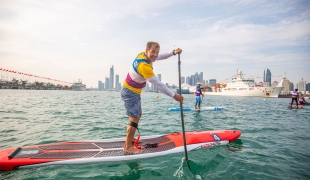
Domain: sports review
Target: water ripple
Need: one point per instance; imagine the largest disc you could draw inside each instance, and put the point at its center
(273, 145)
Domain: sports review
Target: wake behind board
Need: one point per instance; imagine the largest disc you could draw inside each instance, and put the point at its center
(110, 150)
(201, 109)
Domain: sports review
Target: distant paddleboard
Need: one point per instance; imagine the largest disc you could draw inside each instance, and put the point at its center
(110, 150)
(295, 107)
(201, 109)
(299, 104)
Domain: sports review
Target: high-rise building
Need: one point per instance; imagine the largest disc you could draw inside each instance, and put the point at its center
(100, 86)
(286, 84)
(152, 87)
(117, 84)
(200, 77)
(107, 83)
(159, 76)
(182, 80)
(193, 79)
(308, 87)
(196, 79)
(302, 85)
(267, 76)
(212, 81)
(291, 86)
(188, 79)
(111, 83)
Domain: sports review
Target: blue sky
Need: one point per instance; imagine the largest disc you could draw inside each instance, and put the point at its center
(82, 39)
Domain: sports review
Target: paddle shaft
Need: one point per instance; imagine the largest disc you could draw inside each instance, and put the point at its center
(181, 110)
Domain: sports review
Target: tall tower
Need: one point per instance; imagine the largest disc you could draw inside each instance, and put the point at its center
(302, 85)
(196, 79)
(117, 82)
(182, 79)
(107, 80)
(200, 77)
(267, 76)
(159, 76)
(100, 86)
(111, 85)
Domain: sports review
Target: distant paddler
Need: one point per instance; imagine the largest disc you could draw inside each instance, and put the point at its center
(303, 101)
(295, 96)
(198, 93)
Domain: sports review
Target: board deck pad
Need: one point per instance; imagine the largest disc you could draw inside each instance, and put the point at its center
(104, 145)
(89, 154)
(90, 146)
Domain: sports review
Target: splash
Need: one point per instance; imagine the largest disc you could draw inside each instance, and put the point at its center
(184, 171)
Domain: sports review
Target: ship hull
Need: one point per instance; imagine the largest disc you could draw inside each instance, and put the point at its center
(79, 88)
(272, 92)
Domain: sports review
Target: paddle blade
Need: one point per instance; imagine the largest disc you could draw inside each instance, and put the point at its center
(187, 169)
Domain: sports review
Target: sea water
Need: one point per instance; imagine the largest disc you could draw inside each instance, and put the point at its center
(274, 143)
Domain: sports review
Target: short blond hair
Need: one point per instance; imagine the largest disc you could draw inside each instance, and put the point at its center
(152, 43)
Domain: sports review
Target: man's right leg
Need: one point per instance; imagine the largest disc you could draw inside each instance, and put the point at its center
(292, 102)
(135, 121)
(130, 133)
(134, 112)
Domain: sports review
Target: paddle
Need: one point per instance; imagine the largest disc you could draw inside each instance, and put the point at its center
(181, 110)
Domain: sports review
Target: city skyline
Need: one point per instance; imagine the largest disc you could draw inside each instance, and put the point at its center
(70, 40)
(18, 78)
(6, 74)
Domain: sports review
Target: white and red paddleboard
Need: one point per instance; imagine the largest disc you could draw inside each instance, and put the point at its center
(194, 109)
(110, 150)
(295, 107)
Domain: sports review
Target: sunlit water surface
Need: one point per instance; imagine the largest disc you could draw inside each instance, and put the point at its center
(274, 143)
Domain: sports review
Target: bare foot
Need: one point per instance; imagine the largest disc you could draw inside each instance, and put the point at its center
(132, 150)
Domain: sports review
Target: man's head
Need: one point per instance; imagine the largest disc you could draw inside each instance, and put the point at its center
(296, 89)
(152, 50)
(198, 84)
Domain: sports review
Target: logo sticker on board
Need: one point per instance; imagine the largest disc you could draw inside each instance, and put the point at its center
(216, 137)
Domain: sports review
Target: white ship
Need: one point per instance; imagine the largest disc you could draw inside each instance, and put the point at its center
(78, 86)
(244, 87)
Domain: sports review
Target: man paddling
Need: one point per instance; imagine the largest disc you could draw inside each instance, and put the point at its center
(198, 93)
(141, 71)
(295, 96)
